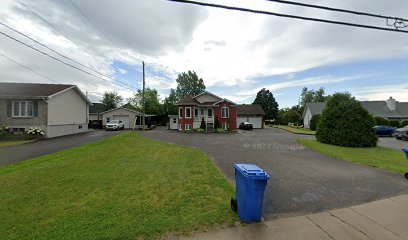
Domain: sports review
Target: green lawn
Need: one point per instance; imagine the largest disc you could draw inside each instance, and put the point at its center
(125, 187)
(304, 131)
(378, 157)
(13, 142)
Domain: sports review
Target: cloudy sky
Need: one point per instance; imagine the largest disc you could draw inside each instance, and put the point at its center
(235, 53)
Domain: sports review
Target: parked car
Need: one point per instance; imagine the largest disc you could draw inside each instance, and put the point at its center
(402, 133)
(115, 125)
(246, 126)
(384, 130)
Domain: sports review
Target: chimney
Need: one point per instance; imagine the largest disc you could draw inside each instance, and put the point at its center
(392, 104)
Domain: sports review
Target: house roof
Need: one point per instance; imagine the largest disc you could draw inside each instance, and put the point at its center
(253, 109)
(130, 110)
(376, 108)
(95, 108)
(188, 100)
(35, 90)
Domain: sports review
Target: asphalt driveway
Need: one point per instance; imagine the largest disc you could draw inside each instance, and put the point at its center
(18, 153)
(392, 142)
(301, 180)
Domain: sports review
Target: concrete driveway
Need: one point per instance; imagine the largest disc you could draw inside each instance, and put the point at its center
(301, 181)
(392, 142)
(18, 153)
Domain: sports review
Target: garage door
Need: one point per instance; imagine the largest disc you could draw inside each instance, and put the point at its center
(241, 119)
(256, 121)
(124, 118)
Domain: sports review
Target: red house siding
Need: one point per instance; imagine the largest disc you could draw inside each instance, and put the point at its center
(232, 120)
(183, 120)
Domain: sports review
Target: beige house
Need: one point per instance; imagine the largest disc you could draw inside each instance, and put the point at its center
(129, 117)
(55, 108)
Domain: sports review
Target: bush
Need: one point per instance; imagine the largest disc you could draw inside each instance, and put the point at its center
(344, 122)
(314, 121)
(202, 125)
(4, 131)
(394, 123)
(219, 130)
(381, 121)
(404, 123)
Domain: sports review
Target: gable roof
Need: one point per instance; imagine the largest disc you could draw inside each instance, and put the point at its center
(251, 109)
(188, 100)
(126, 109)
(191, 100)
(376, 108)
(36, 90)
(206, 92)
(95, 108)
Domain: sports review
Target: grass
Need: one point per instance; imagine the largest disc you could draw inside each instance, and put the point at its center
(379, 157)
(125, 187)
(295, 130)
(13, 142)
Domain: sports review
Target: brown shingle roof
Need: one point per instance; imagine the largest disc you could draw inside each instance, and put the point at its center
(253, 109)
(188, 100)
(30, 89)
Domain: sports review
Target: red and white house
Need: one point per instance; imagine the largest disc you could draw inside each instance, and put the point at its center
(207, 106)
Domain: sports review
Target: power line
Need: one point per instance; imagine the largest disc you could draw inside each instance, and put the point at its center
(64, 35)
(56, 59)
(288, 16)
(60, 54)
(337, 9)
(28, 68)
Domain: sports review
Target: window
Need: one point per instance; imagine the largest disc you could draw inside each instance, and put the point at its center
(23, 109)
(108, 119)
(225, 126)
(188, 112)
(209, 112)
(225, 112)
(17, 130)
(174, 120)
(187, 127)
(202, 112)
(180, 112)
(196, 112)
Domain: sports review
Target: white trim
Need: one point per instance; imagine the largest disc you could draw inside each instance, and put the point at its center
(20, 115)
(185, 112)
(227, 112)
(76, 89)
(180, 112)
(180, 126)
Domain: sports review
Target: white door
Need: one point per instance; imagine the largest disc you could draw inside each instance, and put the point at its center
(241, 119)
(256, 121)
(124, 119)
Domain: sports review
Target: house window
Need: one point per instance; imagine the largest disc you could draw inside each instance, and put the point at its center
(202, 112)
(174, 120)
(188, 112)
(22, 108)
(209, 112)
(187, 127)
(225, 112)
(225, 126)
(180, 112)
(108, 119)
(196, 112)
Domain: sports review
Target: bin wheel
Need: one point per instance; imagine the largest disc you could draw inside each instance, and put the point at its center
(406, 175)
(234, 205)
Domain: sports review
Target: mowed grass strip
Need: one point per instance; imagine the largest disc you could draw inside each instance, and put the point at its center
(125, 187)
(379, 157)
(304, 131)
(14, 142)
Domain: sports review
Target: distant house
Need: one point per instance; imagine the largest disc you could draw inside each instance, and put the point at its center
(208, 106)
(95, 111)
(389, 109)
(55, 108)
(130, 118)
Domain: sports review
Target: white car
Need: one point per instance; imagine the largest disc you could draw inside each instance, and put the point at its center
(115, 125)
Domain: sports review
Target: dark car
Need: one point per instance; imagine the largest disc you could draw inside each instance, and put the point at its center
(384, 130)
(246, 126)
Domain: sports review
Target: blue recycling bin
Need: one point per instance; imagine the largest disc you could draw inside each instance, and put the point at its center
(250, 186)
(405, 151)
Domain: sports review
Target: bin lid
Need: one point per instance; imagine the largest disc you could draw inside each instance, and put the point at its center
(251, 170)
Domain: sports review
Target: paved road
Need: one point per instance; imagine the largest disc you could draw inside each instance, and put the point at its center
(302, 181)
(392, 142)
(15, 154)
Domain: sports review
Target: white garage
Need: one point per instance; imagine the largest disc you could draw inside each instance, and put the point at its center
(252, 113)
(124, 118)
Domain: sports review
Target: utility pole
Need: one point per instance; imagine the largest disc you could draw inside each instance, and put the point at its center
(143, 98)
